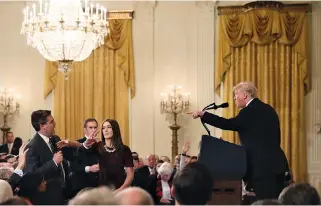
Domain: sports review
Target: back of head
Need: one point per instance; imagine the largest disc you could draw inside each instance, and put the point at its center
(96, 196)
(193, 185)
(15, 201)
(5, 191)
(134, 196)
(300, 194)
(267, 202)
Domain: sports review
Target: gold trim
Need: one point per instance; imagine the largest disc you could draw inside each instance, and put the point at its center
(120, 14)
(300, 7)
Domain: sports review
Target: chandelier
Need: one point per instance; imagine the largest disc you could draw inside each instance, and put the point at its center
(64, 31)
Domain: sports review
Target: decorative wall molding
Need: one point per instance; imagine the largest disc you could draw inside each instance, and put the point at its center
(302, 7)
(313, 99)
(120, 14)
(205, 53)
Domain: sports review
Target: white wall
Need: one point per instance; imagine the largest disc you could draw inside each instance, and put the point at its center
(173, 44)
(21, 68)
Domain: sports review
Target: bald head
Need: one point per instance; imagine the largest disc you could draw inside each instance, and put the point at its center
(134, 196)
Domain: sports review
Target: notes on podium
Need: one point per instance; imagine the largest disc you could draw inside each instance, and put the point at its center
(225, 160)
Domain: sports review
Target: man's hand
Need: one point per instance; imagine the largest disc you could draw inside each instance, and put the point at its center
(196, 114)
(22, 157)
(63, 143)
(91, 139)
(94, 168)
(58, 157)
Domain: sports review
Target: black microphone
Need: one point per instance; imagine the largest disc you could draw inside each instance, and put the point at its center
(214, 106)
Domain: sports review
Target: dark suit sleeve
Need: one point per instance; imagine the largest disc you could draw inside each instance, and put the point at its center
(233, 124)
(78, 165)
(14, 181)
(48, 169)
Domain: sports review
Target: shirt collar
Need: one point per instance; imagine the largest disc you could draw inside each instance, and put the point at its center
(249, 102)
(46, 139)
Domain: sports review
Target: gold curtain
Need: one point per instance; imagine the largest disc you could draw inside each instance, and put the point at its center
(269, 48)
(97, 87)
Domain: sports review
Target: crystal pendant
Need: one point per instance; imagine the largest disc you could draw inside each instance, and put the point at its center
(64, 66)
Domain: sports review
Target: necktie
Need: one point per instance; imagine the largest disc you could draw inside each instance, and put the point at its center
(60, 166)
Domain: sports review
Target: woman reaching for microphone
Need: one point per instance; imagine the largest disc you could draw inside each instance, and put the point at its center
(115, 158)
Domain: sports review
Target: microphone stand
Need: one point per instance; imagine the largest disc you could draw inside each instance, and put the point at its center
(208, 107)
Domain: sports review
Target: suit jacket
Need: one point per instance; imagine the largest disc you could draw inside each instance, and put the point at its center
(14, 180)
(40, 159)
(80, 178)
(141, 176)
(4, 148)
(258, 128)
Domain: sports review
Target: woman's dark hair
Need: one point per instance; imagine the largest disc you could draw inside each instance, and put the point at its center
(116, 139)
(17, 143)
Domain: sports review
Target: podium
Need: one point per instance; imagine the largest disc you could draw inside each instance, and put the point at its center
(227, 163)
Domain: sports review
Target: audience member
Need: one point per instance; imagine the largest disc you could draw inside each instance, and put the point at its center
(193, 185)
(134, 196)
(96, 196)
(300, 194)
(267, 202)
(5, 191)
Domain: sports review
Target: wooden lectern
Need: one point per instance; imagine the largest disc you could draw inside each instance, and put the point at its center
(227, 163)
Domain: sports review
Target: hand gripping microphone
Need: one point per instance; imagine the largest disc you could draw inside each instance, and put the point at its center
(213, 106)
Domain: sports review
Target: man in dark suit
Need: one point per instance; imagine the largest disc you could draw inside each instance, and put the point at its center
(258, 128)
(85, 165)
(44, 158)
(7, 148)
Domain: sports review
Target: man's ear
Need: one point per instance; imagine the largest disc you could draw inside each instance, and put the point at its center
(172, 191)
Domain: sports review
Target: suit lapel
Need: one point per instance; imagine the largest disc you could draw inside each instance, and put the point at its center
(44, 151)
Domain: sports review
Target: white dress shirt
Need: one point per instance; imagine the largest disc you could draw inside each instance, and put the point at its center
(87, 167)
(249, 102)
(10, 147)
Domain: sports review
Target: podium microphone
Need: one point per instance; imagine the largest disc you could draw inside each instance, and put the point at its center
(213, 106)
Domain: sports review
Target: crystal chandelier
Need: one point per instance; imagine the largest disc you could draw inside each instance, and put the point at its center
(63, 31)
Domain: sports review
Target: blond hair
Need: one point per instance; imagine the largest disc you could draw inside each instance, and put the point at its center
(247, 87)
(95, 196)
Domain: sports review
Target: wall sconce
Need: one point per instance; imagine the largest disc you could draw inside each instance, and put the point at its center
(174, 103)
(9, 106)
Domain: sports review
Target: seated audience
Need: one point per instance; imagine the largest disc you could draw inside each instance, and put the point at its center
(159, 185)
(134, 196)
(300, 194)
(193, 185)
(96, 196)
